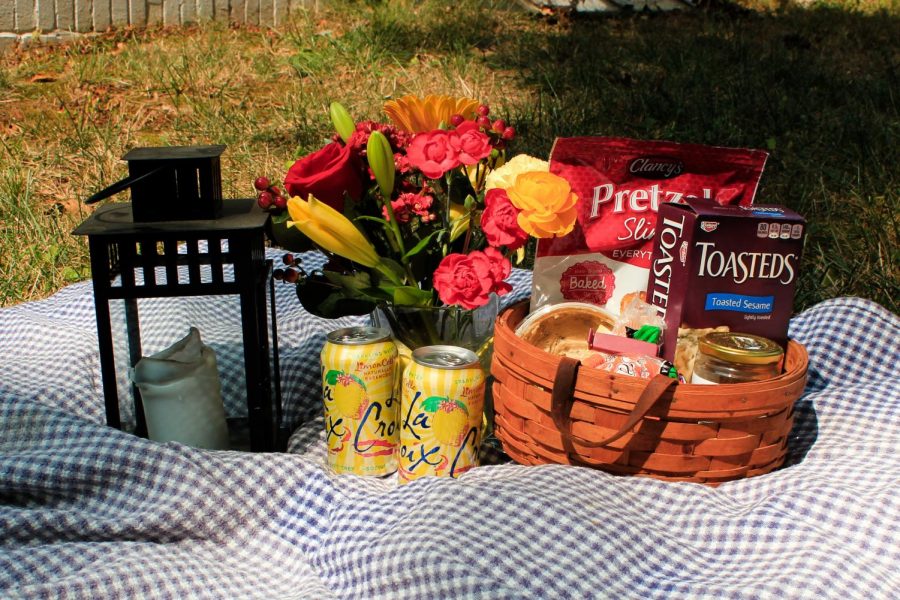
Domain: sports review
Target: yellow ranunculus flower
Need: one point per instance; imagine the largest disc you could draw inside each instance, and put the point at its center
(546, 202)
(416, 114)
(504, 177)
(331, 230)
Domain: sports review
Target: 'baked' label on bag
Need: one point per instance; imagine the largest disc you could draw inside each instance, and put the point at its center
(588, 281)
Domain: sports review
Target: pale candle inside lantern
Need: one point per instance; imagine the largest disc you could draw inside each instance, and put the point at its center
(182, 395)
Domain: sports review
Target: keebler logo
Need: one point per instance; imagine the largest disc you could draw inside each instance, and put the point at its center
(588, 281)
(656, 167)
(709, 226)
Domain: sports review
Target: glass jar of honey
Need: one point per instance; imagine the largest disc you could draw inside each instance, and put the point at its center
(727, 357)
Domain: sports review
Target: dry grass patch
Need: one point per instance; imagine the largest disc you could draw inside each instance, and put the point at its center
(816, 87)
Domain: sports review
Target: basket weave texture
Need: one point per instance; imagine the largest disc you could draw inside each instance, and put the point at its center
(547, 410)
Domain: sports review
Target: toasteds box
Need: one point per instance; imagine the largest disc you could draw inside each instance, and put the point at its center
(718, 265)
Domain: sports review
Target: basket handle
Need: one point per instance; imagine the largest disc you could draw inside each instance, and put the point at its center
(562, 398)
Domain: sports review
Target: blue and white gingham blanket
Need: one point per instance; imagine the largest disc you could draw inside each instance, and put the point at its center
(90, 512)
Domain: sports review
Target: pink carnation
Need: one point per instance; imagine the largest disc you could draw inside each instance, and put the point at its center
(470, 143)
(433, 153)
(407, 205)
(499, 221)
(467, 280)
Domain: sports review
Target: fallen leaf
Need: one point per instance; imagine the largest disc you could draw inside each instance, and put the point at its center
(68, 206)
(43, 78)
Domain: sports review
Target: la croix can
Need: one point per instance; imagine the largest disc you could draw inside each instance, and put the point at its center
(359, 369)
(441, 405)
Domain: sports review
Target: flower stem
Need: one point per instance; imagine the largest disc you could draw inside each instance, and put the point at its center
(449, 181)
(469, 232)
(446, 246)
(395, 227)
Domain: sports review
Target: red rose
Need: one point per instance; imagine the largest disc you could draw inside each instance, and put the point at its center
(467, 280)
(470, 143)
(432, 153)
(499, 221)
(326, 174)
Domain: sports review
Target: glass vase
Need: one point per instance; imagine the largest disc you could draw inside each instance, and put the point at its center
(417, 326)
(414, 327)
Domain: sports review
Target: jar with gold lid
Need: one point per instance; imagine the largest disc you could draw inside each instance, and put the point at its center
(728, 357)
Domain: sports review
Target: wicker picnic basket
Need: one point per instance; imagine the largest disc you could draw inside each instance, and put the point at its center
(548, 411)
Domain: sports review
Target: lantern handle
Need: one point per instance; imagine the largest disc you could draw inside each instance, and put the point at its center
(120, 185)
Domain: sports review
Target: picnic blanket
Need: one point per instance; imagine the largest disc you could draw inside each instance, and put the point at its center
(87, 511)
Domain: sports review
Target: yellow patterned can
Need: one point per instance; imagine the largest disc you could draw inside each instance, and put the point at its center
(441, 405)
(359, 369)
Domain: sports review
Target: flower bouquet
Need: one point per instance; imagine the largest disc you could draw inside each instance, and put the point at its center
(421, 213)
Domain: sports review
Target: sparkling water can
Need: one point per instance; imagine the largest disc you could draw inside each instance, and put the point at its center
(442, 400)
(359, 370)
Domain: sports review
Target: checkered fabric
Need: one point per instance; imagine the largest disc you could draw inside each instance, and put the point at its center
(90, 512)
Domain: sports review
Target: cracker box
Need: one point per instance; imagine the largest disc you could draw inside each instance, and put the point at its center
(716, 265)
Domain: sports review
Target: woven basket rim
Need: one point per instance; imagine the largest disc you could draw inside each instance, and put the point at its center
(617, 392)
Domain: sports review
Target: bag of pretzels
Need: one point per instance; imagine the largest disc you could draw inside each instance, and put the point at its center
(620, 184)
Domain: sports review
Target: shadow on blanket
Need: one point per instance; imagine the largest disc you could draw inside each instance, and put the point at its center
(803, 434)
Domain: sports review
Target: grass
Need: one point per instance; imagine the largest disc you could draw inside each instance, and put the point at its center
(817, 87)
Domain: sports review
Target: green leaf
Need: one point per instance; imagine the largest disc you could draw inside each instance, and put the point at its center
(422, 243)
(351, 283)
(281, 217)
(395, 268)
(320, 297)
(331, 376)
(342, 121)
(369, 218)
(407, 295)
(383, 292)
(432, 403)
(464, 408)
(470, 200)
(381, 160)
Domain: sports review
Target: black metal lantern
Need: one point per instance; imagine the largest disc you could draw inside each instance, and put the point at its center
(122, 245)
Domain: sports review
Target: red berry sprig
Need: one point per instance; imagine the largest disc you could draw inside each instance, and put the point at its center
(292, 271)
(269, 197)
(497, 129)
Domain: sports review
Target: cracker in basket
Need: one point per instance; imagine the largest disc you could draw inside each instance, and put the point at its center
(688, 346)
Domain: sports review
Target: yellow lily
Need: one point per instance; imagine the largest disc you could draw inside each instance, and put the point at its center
(459, 220)
(416, 114)
(332, 231)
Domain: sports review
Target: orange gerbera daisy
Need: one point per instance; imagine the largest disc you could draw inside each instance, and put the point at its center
(416, 114)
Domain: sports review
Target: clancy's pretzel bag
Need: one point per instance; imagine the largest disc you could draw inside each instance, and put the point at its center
(620, 184)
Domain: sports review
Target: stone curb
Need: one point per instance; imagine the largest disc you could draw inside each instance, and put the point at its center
(11, 41)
